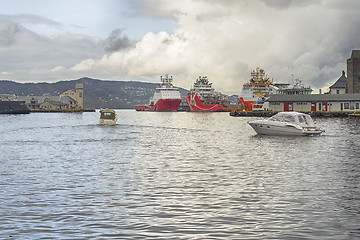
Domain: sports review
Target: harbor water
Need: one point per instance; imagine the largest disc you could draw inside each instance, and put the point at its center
(176, 175)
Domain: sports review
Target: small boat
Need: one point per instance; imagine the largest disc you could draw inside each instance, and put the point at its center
(287, 123)
(107, 117)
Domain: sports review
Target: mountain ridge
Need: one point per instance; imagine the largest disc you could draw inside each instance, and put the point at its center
(97, 93)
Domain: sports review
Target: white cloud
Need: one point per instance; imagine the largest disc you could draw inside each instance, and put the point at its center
(58, 69)
(224, 40)
(84, 65)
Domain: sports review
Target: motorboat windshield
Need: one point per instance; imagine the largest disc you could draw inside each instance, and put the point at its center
(282, 118)
(108, 114)
(301, 119)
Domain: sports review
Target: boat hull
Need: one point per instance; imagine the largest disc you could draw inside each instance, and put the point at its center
(14, 107)
(162, 105)
(196, 105)
(110, 122)
(266, 128)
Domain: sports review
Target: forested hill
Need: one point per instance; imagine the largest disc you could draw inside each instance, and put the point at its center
(97, 93)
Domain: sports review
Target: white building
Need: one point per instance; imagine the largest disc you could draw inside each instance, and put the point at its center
(315, 102)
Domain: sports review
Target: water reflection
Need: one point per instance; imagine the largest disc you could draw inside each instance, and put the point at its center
(175, 176)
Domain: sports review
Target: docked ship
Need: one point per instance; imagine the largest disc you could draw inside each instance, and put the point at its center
(203, 97)
(14, 107)
(254, 92)
(9, 105)
(166, 97)
(297, 87)
(260, 87)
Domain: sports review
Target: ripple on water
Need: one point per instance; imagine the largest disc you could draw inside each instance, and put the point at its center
(175, 176)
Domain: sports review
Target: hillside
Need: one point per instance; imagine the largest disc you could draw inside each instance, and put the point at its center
(97, 93)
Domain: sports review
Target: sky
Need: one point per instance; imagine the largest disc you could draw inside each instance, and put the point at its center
(49, 41)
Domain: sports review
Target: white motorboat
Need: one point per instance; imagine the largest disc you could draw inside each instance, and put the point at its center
(287, 123)
(107, 117)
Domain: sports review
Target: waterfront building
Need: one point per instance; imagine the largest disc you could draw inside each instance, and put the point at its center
(315, 102)
(53, 105)
(48, 102)
(339, 86)
(77, 94)
(353, 72)
(68, 99)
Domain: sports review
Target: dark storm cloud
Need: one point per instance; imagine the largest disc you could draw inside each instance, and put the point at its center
(8, 33)
(30, 55)
(117, 41)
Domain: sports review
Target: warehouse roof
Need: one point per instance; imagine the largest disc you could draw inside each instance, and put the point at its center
(315, 97)
(341, 82)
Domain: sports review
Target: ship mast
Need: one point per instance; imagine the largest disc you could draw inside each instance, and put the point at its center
(166, 80)
(258, 76)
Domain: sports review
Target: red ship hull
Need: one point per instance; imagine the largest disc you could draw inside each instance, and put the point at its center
(163, 105)
(248, 105)
(196, 105)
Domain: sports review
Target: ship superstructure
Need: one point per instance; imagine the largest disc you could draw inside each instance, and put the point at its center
(166, 97)
(254, 92)
(260, 87)
(291, 89)
(202, 97)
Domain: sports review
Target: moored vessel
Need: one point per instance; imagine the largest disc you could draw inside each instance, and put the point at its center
(203, 97)
(259, 88)
(288, 124)
(254, 92)
(8, 106)
(166, 97)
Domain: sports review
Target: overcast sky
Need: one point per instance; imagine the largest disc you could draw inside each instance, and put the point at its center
(51, 40)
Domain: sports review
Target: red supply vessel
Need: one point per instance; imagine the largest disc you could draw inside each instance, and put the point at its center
(166, 98)
(203, 97)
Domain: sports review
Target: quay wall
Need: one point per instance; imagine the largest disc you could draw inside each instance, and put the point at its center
(63, 110)
(313, 114)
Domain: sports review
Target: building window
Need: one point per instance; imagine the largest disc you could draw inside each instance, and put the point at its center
(352, 106)
(357, 105)
(346, 106)
(337, 91)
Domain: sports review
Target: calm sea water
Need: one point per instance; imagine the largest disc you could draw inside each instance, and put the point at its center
(175, 176)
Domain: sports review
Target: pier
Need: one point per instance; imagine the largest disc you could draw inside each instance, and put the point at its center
(313, 114)
(63, 110)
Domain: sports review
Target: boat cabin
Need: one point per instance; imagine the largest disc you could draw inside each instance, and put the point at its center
(303, 120)
(108, 117)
